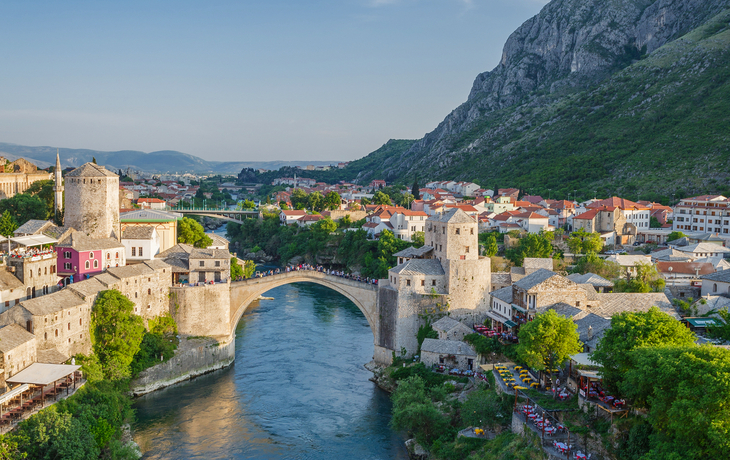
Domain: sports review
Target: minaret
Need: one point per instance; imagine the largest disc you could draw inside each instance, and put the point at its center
(58, 188)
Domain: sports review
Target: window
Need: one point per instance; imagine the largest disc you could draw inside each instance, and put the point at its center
(45, 270)
(56, 332)
(91, 255)
(134, 251)
(458, 231)
(67, 266)
(69, 326)
(87, 264)
(423, 282)
(96, 264)
(467, 249)
(408, 282)
(217, 263)
(108, 255)
(149, 291)
(67, 255)
(80, 322)
(140, 252)
(202, 263)
(471, 231)
(45, 336)
(135, 295)
(117, 256)
(31, 273)
(443, 230)
(53, 269)
(714, 287)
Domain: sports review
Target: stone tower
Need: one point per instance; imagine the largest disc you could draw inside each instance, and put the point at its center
(58, 187)
(92, 201)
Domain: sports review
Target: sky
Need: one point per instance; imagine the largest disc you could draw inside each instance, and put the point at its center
(248, 80)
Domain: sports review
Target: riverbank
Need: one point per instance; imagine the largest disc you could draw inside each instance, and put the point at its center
(195, 356)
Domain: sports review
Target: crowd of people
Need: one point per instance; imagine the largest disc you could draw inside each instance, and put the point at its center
(317, 268)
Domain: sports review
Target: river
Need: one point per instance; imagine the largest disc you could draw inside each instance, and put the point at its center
(297, 390)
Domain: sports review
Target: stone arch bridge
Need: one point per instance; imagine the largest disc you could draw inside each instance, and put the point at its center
(363, 295)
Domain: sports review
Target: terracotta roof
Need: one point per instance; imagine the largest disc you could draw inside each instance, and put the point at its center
(617, 202)
(588, 215)
(685, 268)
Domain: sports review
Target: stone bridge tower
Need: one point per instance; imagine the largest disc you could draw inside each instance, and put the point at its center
(92, 201)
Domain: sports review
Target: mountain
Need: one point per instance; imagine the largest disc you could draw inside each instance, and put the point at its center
(600, 96)
(163, 161)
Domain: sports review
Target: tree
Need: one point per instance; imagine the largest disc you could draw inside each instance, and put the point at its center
(315, 202)
(418, 239)
(633, 330)
(646, 279)
(43, 189)
(325, 226)
(248, 204)
(654, 223)
(381, 198)
(531, 245)
(332, 200)
(7, 224)
(414, 411)
(687, 391)
(191, 232)
(406, 200)
(116, 333)
(415, 191)
(299, 199)
(249, 268)
(93, 160)
(491, 248)
(53, 434)
(23, 207)
(548, 341)
(591, 263)
(675, 235)
(236, 269)
(582, 242)
(364, 201)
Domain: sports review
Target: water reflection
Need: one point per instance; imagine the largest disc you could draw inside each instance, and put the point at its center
(297, 390)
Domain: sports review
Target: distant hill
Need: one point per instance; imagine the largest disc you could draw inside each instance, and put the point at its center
(163, 161)
(621, 97)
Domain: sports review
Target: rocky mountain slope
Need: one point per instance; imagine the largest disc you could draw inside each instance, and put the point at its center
(591, 95)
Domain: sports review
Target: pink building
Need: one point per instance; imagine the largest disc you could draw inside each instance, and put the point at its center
(80, 257)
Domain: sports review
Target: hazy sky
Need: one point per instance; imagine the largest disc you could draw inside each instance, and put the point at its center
(243, 80)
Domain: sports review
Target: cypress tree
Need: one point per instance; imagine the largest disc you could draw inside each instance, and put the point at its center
(415, 191)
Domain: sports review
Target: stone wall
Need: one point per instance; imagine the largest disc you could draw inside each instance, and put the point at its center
(354, 215)
(92, 205)
(194, 356)
(470, 282)
(37, 272)
(14, 183)
(202, 310)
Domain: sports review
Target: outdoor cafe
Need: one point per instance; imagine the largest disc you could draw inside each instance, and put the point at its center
(36, 386)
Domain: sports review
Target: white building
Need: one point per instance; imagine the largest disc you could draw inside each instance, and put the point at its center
(706, 213)
(141, 243)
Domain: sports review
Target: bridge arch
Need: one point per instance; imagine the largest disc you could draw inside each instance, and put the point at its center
(363, 295)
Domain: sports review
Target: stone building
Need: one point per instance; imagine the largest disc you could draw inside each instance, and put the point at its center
(446, 275)
(80, 257)
(543, 288)
(37, 272)
(449, 353)
(164, 222)
(194, 265)
(17, 351)
(18, 176)
(92, 201)
(12, 290)
(450, 329)
(59, 321)
(140, 243)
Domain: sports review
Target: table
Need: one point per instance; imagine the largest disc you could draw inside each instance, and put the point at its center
(562, 447)
(580, 456)
(532, 416)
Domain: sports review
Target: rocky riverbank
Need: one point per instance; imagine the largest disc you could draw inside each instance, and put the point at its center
(195, 356)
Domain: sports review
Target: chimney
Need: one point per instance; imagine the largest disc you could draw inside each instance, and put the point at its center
(590, 332)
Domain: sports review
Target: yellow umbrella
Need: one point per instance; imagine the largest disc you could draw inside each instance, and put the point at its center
(518, 387)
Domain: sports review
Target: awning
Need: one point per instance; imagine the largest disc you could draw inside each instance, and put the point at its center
(702, 322)
(496, 317)
(510, 323)
(589, 374)
(5, 397)
(518, 308)
(33, 240)
(43, 374)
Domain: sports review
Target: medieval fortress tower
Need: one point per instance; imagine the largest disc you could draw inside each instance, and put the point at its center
(444, 277)
(92, 201)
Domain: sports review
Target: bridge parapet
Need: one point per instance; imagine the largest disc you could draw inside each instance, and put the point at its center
(306, 274)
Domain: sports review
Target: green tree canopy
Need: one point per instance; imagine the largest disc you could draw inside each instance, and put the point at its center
(548, 341)
(531, 245)
(633, 330)
(364, 201)
(414, 411)
(43, 189)
(687, 391)
(236, 269)
(592, 263)
(381, 198)
(248, 204)
(582, 242)
(675, 235)
(116, 333)
(415, 190)
(189, 231)
(646, 279)
(418, 239)
(7, 224)
(406, 200)
(491, 248)
(332, 200)
(299, 199)
(485, 408)
(315, 202)
(24, 207)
